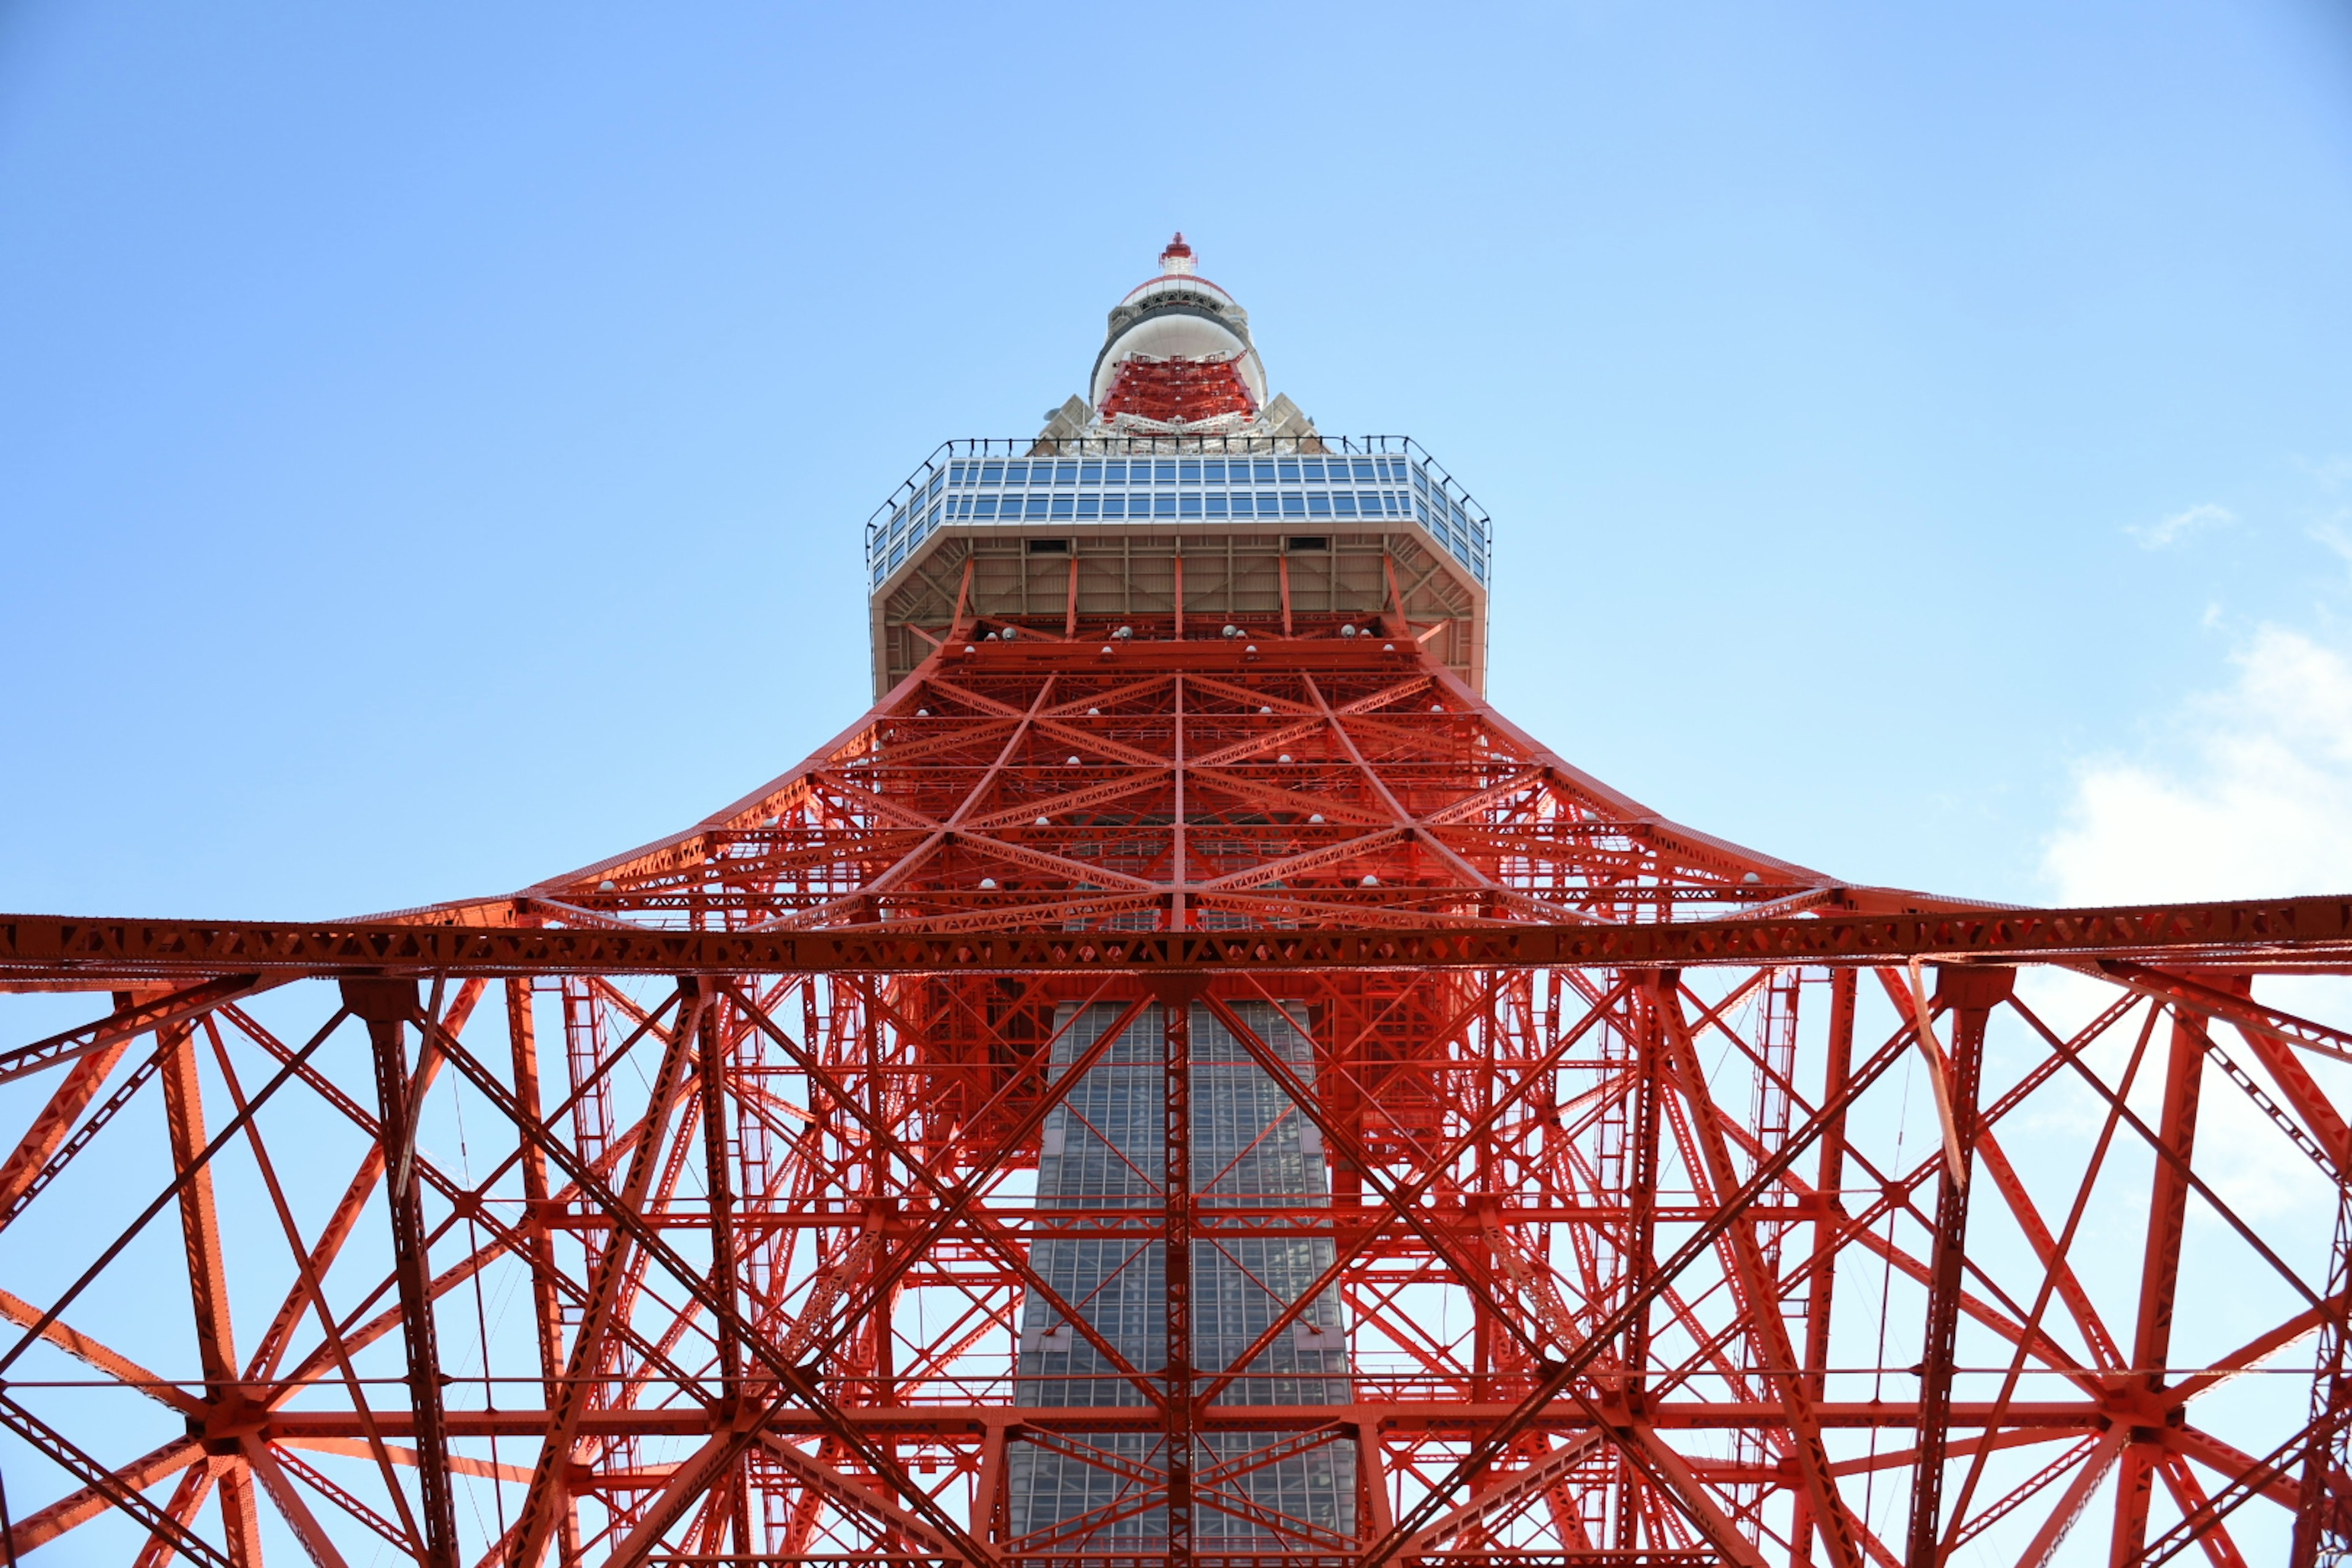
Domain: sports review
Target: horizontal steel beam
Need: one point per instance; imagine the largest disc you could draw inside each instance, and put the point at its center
(954, 1421)
(2276, 933)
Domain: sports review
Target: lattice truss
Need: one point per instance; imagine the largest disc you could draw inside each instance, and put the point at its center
(1878, 1262)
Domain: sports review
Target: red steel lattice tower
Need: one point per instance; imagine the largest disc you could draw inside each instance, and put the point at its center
(1182, 1080)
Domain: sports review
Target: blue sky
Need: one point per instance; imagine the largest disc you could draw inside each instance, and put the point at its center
(434, 441)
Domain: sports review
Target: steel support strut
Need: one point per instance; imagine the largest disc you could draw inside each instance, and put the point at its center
(1178, 1439)
(386, 1007)
(1969, 994)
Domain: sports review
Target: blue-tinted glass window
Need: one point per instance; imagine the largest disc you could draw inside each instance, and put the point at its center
(932, 522)
(1089, 505)
(1318, 503)
(1036, 506)
(1114, 471)
(1191, 503)
(1293, 504)
(898, 554)
(991, 472)
(1241, 503)
(1420, 477)
(1343, 503)
(1363, 471)
(1216, 505)
(1114, 505)
(1265, 470)
(1164, 470)
(1061, 506)
(1266, 503)
(937, 480)
(1016, 473)
(1289, 467)
(987, 506)
(1090, 473)
(1065, 473)
(1164, 506)
(1189, 471)
(1213, 470)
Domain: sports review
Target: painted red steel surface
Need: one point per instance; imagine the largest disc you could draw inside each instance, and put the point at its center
(1171, 389)
(1690, 1206)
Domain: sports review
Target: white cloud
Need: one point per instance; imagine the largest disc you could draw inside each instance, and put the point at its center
(2252, 797)
(2170, 531)
(2260, 806)
(2332, 537)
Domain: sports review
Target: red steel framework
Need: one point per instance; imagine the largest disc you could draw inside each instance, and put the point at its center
(1687, 1207)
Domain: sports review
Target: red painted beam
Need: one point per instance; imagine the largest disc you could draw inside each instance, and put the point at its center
(2277, 933)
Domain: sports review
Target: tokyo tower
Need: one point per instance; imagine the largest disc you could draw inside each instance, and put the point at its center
(1181, 1083)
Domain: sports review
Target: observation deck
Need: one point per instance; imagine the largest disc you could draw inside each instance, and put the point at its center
(1172, 532)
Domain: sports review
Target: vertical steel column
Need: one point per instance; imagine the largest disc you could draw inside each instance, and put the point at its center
(224, 1396)
(711, 1052)
(1642, 1228)
(1176, 1196)
(1971, 995)
(2160, 1280)
(2321, 1520)
(386, 1006)
(547, 1307)
(1828, 1214)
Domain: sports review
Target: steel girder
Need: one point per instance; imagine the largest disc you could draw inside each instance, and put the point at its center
(1681, 1213)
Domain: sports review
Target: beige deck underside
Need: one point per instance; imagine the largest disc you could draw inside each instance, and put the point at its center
(1229, 576)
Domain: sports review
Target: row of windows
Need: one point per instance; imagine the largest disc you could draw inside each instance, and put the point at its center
(1212, 504)
(1184, 470)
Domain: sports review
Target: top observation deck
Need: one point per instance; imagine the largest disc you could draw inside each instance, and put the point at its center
(1179, 492)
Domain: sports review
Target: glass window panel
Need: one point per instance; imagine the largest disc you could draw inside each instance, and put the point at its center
(1266, 503)
(1036, 506)
(1061, 506)
(1090, 473)
(1164, 470)
(955, 473)
(1314, 470)
(991, 472)
(1114, 471)
(1164, 506)
(1016, 473)
(1420, 477)
(1241, 503)
(1265, 470)
(937, 480)
(1344, 504)
(1191, 503)
(1318, 503)
(1065, 473)
(1294, 504)
(1114, 505)
(1363, 467)
(987, 506)
(1189, 470)
(1216, 506)
(1289, 467)
(1213, 470)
